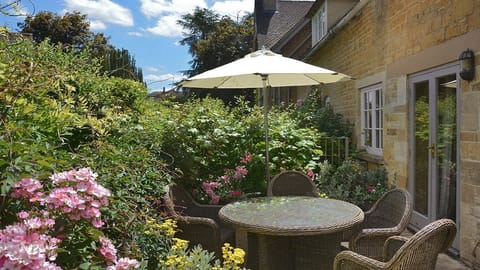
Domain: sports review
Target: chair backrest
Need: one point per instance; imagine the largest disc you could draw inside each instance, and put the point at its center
(291, 183)
(177, 200)
(393, 209)
(422, 249)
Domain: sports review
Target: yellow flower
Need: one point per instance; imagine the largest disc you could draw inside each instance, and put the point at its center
(180, 244)
(169, 227)
(232, 257)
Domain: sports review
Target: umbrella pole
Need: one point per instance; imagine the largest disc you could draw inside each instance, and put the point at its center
(265, 107)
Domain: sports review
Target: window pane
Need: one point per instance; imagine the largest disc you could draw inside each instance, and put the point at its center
(369, 119)
(377, 141)
(377, 99)
(368, 137)
(381, 138)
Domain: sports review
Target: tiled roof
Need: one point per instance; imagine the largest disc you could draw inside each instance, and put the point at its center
(272, 26)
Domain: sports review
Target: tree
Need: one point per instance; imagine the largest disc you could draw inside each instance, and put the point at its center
(73, 31)
(215, 40)
(198, 26)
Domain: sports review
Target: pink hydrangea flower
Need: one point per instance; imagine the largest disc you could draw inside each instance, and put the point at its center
(299, 102)
(240, 172)
(108, 250)
(124, 264)
(215, 199)
(25, 246)
(26, 188)
(225, 178)
(246, 158)
(23, 214)
(311, 174)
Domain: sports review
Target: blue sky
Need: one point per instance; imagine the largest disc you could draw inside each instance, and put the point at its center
(146, 28)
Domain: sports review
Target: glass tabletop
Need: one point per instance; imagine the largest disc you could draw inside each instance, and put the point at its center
(292, 215)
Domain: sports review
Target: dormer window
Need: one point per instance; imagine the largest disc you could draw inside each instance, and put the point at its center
(319, 24)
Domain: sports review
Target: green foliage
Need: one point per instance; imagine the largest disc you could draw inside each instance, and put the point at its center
(213, 40)
(58, 112)
(292, 147)
(206, 137)
(72, 30)
(352, 183)
(312, 114)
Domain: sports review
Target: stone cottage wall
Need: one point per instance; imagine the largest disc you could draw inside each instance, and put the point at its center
(389, 40)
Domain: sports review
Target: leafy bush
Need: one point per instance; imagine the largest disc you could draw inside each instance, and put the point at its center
(58, 112)
(352, 183)
(56, 211)
(312, 113)
(206, 138)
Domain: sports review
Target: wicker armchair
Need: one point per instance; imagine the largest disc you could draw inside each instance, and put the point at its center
(197, 223)
(289, 183)
(417, 252)
(389, 216)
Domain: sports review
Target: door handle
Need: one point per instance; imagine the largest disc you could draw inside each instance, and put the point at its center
(432, 150)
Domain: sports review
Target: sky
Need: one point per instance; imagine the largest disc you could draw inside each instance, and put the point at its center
(146, 28)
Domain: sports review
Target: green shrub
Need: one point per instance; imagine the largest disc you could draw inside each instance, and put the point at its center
(352, 183)
(58, 112)
(312, 113)
(205, 138)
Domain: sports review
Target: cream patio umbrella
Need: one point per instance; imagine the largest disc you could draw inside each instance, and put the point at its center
(262, 69)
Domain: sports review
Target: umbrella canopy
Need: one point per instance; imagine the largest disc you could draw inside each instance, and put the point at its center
(247, 72)
(262, 69)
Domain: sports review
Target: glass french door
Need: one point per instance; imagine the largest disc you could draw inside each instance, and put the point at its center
(434, 157)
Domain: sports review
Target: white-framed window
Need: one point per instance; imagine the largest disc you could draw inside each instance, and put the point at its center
(319, 24)
(372, 119)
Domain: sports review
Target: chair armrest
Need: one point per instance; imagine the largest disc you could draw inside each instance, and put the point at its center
(370, 242)
(347, 260)
(376, 232)
(392, 245)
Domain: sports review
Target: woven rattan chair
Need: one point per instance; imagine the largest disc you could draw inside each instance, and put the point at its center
(291, 183)
(417, 252)
(197, 223)
(389, 216)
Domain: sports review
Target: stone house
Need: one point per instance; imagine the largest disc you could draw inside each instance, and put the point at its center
(282, 26)
(414, 105)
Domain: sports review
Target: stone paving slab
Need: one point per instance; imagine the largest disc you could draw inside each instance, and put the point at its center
(445, 262)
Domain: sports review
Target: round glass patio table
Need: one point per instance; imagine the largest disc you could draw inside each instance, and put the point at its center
(291, 232)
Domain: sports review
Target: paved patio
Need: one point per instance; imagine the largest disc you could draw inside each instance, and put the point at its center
(445, 262)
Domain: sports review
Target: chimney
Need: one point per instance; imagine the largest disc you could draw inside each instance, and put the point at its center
(269, 5)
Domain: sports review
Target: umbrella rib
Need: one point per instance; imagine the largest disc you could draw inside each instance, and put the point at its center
(306, 75)
(223, 81)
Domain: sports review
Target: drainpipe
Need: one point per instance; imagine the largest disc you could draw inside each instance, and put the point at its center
(339, 25)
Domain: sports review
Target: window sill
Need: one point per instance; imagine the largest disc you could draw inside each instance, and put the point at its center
(371, 158)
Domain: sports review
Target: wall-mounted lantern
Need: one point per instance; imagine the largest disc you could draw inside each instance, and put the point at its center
(467, 65)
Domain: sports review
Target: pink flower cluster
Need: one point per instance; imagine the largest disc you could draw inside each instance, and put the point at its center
(208, 188)
(229, 183)
(311, 174)
(25, 246)
(76, 194)
(109, 251)
(240, 172)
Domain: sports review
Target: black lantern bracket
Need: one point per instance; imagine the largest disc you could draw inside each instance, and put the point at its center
(467, 65)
